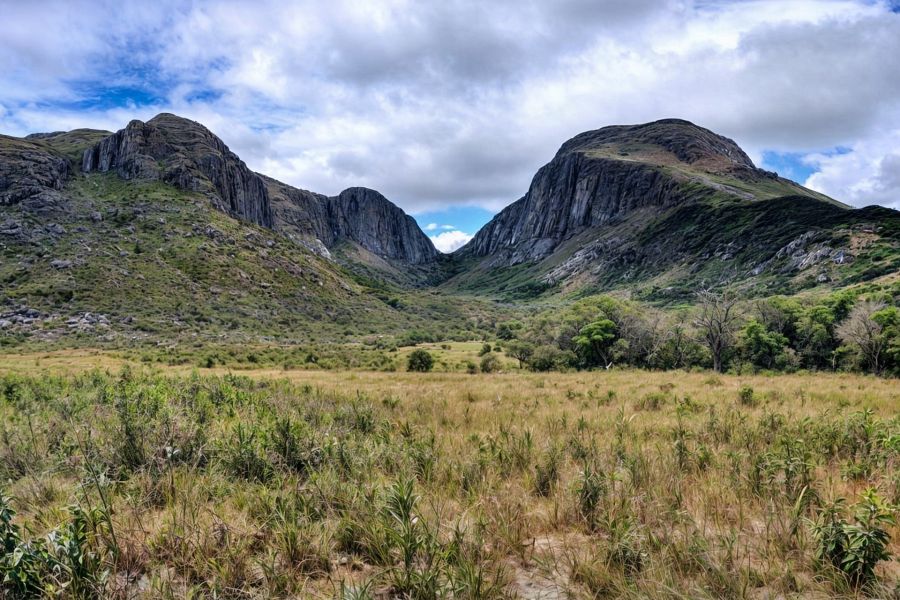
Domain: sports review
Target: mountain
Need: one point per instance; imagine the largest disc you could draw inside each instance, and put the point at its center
(187, 155)
(160, 232)
(663, 209)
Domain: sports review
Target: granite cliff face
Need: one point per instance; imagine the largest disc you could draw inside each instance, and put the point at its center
(666, 208)
(358, 214)
(186, 154)
(370, 219)
(599, 177)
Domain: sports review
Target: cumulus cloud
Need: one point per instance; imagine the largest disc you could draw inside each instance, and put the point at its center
(438, 104)
(448, 241)
(868, 173)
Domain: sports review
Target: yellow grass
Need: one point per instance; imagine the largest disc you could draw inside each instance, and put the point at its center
(543, 545)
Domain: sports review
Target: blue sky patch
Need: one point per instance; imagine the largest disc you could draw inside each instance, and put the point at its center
(464, 218)
(788, 164)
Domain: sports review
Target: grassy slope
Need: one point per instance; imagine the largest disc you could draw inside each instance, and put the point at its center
(176, 269)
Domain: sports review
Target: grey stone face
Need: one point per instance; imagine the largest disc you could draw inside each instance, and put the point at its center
(186, 154)
(579, 189)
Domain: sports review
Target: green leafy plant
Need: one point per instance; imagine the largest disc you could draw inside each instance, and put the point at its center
(855, 548)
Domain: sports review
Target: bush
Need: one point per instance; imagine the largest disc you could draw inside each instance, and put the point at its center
(545, 358)
(490, 363)
(420, 361)
(855, 549)
(485, 349)
(746, 397)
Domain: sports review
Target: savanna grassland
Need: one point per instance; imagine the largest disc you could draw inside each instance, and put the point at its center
(122, 481)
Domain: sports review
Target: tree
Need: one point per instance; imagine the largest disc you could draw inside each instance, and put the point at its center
(815, 337)
(680, 348)
(521, 351)
(761, 346)
(717, 321)
(863, 332)
(595, 342)
(507, 330)
(889, 319)
(420, 361)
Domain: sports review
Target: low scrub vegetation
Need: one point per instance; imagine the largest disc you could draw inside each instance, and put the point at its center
(413, 485)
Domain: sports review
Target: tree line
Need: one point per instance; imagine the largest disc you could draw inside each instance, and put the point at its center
(841, 331)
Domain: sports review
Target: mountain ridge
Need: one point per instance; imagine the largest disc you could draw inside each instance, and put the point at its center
(186, 234)
(186, 154)
(585, 222)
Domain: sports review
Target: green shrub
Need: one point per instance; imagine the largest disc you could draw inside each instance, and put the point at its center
(420, 361)
(490, 363)
(746, 397)
(854, 549)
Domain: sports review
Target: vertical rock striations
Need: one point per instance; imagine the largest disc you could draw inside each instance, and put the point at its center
(30, 174)
(601, 176)
(371, 220)
(185, 154)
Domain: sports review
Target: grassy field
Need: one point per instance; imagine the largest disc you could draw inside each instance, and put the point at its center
(184, 482)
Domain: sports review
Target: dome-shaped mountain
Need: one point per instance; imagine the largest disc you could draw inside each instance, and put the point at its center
(666, 200)
(602, 175)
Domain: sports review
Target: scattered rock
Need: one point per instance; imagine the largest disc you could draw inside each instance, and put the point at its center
(10, 227)
(59, 263)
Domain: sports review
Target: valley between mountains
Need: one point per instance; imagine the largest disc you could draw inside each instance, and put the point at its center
(217, 385)
(159, 235)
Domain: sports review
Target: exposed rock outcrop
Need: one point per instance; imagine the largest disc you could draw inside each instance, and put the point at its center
(30, 174)
(185, 154)
(600, 176)
(357, 214)
(370, 219)
(570, 194)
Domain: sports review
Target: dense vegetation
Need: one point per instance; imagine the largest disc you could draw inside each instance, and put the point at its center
(847, 330)
(435, 486)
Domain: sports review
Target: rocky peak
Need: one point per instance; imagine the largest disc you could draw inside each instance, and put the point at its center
(370, 219)
(186, 154)
(600, 177)
(357, 214)
(686, 142)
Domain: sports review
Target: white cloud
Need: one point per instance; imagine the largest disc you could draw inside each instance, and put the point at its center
(430, 227)
(449, 241)
(459, 103)
(868, 174)
(448, 227)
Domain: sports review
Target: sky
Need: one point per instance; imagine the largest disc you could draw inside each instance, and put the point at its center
(448, 108)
